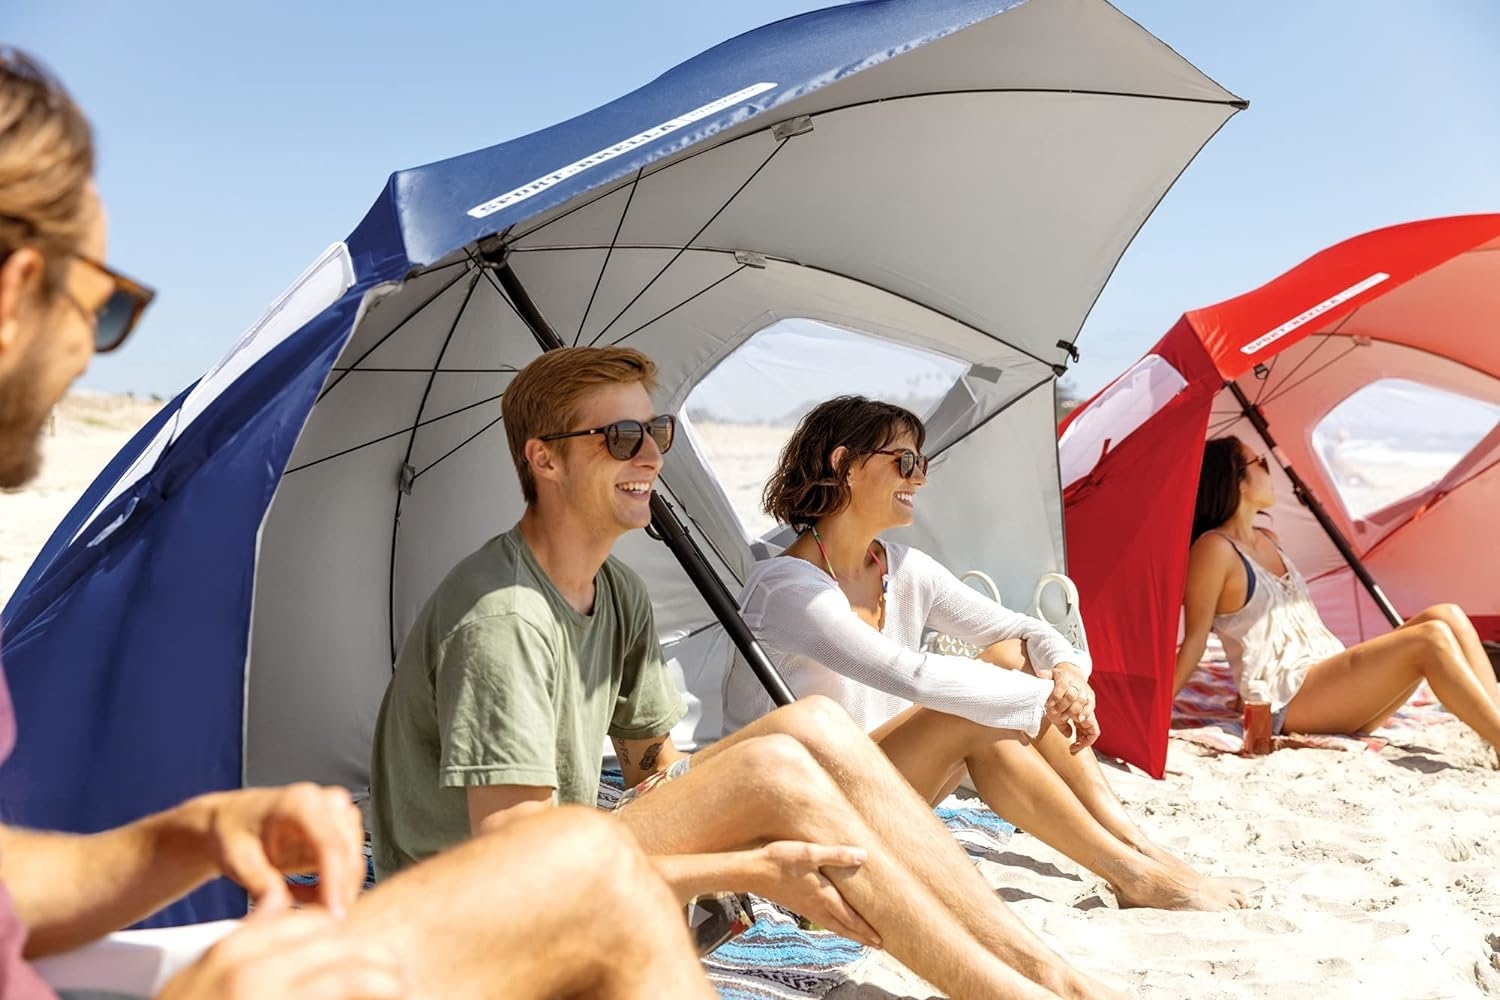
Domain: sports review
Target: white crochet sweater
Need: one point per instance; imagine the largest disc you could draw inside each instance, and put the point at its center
(813, 637)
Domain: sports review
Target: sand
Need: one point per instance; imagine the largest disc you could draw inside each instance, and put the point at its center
(1380, 870)
(1381, 867)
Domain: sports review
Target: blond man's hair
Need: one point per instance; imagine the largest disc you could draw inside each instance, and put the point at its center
(545, 396)
(46, 162)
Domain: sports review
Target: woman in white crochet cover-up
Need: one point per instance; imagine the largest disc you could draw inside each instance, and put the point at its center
(842, 614)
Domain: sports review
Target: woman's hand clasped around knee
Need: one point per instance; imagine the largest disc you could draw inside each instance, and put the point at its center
(1072, 704)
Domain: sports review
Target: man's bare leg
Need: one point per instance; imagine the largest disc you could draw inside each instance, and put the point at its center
(1020, 786)
(559, 904)
(770, 788)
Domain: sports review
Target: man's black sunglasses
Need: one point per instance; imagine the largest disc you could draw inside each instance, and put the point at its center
(624, 438)
(907, 461)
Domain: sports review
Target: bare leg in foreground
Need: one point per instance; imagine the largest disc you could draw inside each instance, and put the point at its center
(557, 904)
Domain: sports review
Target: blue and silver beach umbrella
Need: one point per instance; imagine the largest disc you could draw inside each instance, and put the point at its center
(955, 176)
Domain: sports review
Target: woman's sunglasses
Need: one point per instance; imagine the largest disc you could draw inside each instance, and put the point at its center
(907, 461)
(1263, 462)
(624, 438)
(120, 312)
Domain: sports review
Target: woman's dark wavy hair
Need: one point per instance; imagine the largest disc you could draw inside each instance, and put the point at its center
(1219, 481)
(807, 485)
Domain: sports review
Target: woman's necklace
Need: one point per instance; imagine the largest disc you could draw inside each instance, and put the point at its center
(885, 578)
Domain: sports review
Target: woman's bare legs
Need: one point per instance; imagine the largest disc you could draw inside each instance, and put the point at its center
(1359, 688)
(1468, 640)
(928, 748)
(558, 904)
(1085, 778)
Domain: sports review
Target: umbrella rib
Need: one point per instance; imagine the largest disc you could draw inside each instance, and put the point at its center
(392, 434)
(1284, 389)
(658, 166)
(1224, 424)
(620, 340)
(1429, 502)
(1272, 368)
(506, 370)
(619, 226)
(689, 242)
(433, 372)
(1325, 334)
(812, 267)
(411, 442)
(1266, 385)
(374, 347)
(434, 268)
(455, 448)
(932, 309)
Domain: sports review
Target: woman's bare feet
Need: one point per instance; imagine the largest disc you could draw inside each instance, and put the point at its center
(1155, 886)
(1246, 890)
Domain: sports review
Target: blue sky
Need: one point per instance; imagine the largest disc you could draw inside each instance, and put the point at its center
(238, 140)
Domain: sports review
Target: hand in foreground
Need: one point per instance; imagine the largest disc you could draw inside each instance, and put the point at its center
(1071, 703)
(794, 877)
(257, 834)
(289, 955)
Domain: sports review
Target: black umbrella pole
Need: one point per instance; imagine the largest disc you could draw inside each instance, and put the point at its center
(666, 525)
(664, 521)
(1305, 495)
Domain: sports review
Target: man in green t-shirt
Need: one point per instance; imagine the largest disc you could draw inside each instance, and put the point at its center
(502, 682)
(539, 644)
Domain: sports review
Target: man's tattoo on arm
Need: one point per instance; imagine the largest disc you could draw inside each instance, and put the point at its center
(648, 759)
(622, 752)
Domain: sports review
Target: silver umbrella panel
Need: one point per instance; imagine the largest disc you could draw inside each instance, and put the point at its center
(949, 200)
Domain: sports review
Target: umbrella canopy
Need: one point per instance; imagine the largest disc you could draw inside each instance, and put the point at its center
(1374, 367)
(958, 177)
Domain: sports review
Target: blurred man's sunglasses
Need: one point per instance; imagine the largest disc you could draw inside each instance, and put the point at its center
(120, 313)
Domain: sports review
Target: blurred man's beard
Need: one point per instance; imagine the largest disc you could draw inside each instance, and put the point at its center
(23, 415)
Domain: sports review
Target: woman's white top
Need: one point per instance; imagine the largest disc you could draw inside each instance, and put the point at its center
(820, 646)
(1277, 635)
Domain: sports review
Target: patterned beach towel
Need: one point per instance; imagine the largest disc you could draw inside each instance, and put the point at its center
(777, 960)
(1207, 712)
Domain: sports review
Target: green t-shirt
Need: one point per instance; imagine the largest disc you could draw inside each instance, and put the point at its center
(502, 682)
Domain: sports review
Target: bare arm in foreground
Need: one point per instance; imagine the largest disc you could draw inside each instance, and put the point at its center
(72, 889)
(545, 907)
